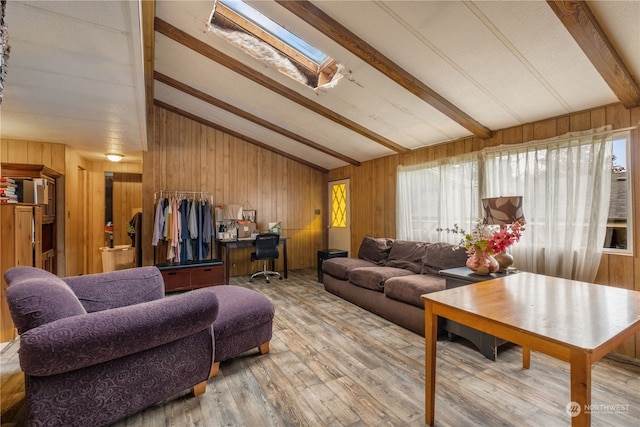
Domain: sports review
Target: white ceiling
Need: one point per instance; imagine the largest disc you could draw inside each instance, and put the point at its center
(75, 73)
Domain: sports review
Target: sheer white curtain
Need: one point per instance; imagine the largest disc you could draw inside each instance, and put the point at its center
(565, 183)
(437, 195)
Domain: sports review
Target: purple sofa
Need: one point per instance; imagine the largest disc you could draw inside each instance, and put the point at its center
(389, 276)
(99, 347)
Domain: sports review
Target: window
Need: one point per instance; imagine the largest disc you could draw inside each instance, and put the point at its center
(436, 196)
(339, 205)
(618, 228)
(568, 185)
(269, 42)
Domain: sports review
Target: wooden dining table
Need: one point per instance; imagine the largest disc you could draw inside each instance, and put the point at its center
(573, 321)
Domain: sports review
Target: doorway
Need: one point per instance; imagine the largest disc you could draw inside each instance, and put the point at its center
(340, 215)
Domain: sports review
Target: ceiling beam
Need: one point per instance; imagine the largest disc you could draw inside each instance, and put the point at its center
(238, 135)
(587, 32)
(248, 116)
(212, 53)
(354, 44)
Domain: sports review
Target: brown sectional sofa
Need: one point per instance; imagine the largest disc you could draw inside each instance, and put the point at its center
(389, 276)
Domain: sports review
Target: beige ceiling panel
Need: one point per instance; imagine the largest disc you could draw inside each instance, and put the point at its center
(74, 76)
(549, 54)
(205, 75)
(213, 114)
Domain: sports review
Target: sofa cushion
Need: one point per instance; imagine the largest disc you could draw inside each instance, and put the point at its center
(375, 249)
(440, 256)
(340, 267)
(374, 277)
(37, 299)
(408, 289)
(407, 255)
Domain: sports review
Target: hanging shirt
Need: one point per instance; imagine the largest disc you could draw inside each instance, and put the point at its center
(186, 250)
(207, 228)
(158, 224)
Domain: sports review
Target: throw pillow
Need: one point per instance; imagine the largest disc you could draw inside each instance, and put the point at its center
(440, 256)
(375, 249)
(406, 254)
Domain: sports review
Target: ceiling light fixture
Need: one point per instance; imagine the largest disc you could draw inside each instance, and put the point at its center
(114, 157)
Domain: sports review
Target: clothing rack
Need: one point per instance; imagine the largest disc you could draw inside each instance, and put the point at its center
(199, 195)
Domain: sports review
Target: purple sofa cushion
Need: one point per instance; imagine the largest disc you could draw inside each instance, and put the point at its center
(440, 256)
(375, 249)
(406, 254)
(35, 299)
(244, 321)
(240, 309)
(120, 288)
(408, 289)
(340, 267)
(374, 277)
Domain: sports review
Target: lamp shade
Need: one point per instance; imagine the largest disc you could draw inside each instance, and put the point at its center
(502, 210)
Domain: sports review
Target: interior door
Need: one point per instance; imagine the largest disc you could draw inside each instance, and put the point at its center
(339, 215)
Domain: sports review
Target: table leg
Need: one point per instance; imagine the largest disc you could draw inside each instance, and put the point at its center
(430, 336)
(580, 388)
(526, 357)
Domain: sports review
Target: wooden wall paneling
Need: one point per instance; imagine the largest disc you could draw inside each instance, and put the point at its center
(598, 118)
(35, 153)
(389, 208)
(563, 124)
(199, 159)
(618, 116)
(186, 146)
(544, 129)
(17, 152)
(580, 121)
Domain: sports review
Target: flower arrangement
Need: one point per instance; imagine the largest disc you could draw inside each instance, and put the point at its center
(485, 240)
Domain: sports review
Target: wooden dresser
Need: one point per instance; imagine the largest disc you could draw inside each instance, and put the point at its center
(192, 274)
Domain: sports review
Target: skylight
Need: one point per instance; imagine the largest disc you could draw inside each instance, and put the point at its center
(243, 9)
(269, 42)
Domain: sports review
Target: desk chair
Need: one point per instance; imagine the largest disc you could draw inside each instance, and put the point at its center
(266, 249)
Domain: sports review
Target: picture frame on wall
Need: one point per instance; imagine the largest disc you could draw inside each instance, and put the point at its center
(249, 215)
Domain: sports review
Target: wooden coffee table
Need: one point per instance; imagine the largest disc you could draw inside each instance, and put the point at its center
(572, 321)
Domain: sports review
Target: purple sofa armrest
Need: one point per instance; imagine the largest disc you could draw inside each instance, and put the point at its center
(103, 291)
(84, 340)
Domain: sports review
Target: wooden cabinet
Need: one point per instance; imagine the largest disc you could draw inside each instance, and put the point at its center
(51, 222)
(21, 244)
(192, 275)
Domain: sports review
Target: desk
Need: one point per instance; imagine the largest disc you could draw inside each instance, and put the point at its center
(572, 321)
(233, 244)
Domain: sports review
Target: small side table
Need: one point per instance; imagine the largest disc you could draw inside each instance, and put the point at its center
(327, 254)
(486, 344)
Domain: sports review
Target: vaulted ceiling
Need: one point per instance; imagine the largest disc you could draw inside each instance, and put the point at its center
(416, 73)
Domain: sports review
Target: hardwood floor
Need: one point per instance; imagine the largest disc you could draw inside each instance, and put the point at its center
(334, 364)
